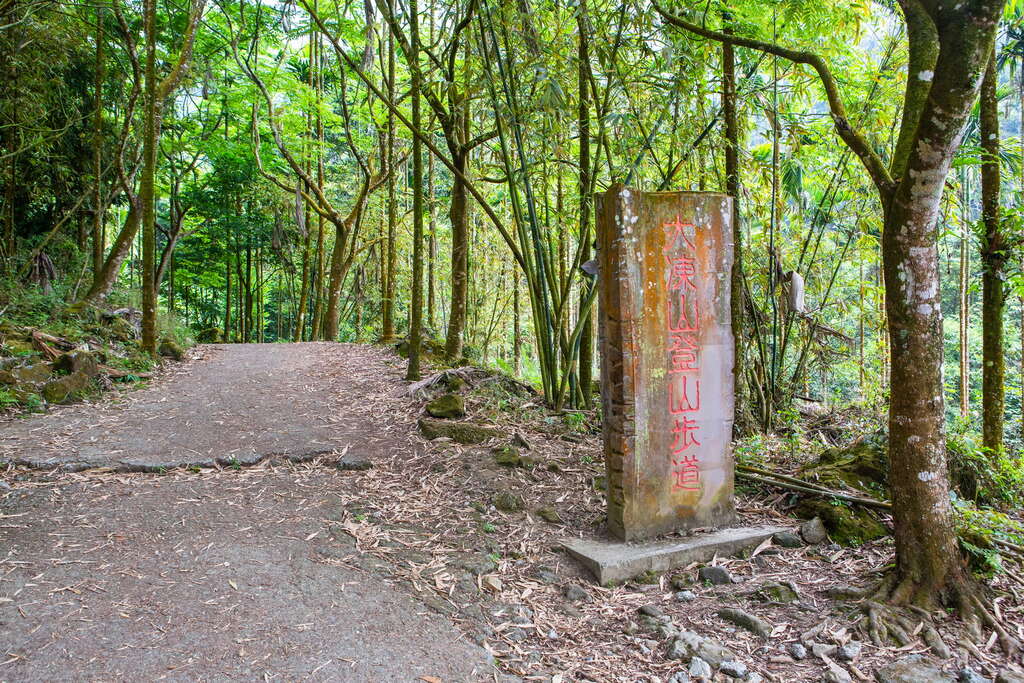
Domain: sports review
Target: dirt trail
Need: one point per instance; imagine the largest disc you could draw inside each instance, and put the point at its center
(239, 403)
(212, 575)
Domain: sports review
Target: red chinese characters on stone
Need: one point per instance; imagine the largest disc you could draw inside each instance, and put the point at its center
(683, 321)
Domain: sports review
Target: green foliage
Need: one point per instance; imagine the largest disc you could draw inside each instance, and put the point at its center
(980, 529)
(978, 474)
(7, 398)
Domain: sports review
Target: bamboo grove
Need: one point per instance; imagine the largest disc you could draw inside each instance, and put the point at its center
(283, 185)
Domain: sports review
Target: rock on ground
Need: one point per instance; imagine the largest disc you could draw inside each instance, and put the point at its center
(914, 669)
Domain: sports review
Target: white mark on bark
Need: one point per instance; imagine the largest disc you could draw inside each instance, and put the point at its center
(926, 476)
(925, 75)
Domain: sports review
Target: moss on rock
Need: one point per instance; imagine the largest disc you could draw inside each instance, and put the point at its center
(77, 361)
(862, 465)
(846, 525)
(171, 349)
(460, 432)
(67, 388)
(447, 406)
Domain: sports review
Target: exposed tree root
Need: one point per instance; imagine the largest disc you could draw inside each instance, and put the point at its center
(900, 610)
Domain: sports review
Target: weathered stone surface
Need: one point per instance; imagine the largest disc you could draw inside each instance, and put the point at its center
(823, 650)
(836, 674)
(611, 561)
(689, 644)
(846, 525)
(549, 515)
(969, 675)
(715, 575)
(913, 669)
(354, 461)
(461, 432)
(508, 456)
(67, 388)
(850, 651)
(813, 531)
(685, 596)
(478, 565)
(787, 539)
(77, 361)
(576, 593)
(448, 406)
(746, 620)
(507, 501)
(652, 611)
(664, 261)
(700, 669)
(797, 651)
(774, 591)
(733, 669)
(27, 375)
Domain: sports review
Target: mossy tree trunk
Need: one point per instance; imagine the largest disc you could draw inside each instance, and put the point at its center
(993, 262)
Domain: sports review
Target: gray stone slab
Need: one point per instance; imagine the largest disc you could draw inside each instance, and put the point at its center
(611, 561)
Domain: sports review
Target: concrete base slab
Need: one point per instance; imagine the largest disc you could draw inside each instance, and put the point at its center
(613, 561)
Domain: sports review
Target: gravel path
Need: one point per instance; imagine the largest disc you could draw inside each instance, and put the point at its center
(224, 574)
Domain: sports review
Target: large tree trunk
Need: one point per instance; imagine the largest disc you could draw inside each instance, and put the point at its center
(926, 548)
(930, 566)
(993, 261)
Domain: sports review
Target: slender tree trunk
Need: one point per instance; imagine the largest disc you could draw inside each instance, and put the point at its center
(97, 152)
(586, 351)
(300, 317)
(416, 314)
(227, 300)
(732, 188)
(247, 332)
(993, 262)
(388, 317)
(964, 303)
(9, 128)
(147, 196)
(517, 334)
(1020, 299)
(431, 249)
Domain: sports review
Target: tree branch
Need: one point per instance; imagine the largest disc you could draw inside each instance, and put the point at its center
(854, 140)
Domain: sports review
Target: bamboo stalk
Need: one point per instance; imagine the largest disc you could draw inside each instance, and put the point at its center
(806, 487)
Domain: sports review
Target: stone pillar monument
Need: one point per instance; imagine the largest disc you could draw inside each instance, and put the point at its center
(664, 261)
